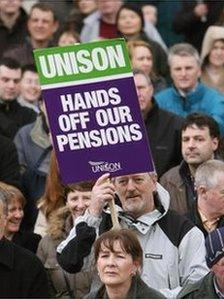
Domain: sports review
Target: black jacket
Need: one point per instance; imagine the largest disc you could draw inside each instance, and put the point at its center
(15, 35)
(138, 290)
(191, 26)
(9, 165)
(14, 116)
(163, 130)
(27, 240)
(22, 275)
(203, 288)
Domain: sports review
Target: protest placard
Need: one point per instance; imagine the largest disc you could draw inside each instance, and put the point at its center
(93, 110)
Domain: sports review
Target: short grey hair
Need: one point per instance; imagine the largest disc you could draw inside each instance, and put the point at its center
(140, 72)
(4, 198)
(183, 50)
(208, 173)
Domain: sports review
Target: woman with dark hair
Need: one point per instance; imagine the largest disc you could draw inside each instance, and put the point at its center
(118, 258)
(82, 9)
(130, 24)
(68, 36)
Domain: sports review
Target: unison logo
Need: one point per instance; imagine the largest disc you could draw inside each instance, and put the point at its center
(103, 166)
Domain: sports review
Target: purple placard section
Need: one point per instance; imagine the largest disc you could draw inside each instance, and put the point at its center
(119, 145)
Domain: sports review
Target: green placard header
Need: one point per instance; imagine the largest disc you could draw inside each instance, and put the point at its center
(82, 61)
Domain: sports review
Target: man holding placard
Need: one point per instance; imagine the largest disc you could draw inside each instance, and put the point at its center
(97, 133)
(174, 252)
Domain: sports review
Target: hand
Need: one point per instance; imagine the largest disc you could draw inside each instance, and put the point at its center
(201, 10)
(102, 192)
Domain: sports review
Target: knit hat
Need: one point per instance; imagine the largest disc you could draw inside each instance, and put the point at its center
(214, 244)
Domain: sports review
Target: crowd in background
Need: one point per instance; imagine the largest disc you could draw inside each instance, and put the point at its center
(176, 49)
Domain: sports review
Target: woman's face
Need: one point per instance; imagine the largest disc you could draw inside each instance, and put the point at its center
(216, 56)
(87, 6)
(142, 59)
(78, 202)
(14, 217)
(129, 23)
(115, 268)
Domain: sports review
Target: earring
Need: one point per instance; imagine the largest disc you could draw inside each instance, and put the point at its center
(133, 273)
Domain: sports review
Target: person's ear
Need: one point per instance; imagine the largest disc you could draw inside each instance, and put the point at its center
(136, 267)
(201, 191)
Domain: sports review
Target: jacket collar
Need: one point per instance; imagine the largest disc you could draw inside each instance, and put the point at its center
(38, 134)
(193, 96)
(92, 17)
(185, 172)
(8, 105)
(144, 223)
(153, 110)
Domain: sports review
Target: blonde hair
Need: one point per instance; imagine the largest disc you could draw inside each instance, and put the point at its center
(13, 193)
(57, 219)
(133, 44)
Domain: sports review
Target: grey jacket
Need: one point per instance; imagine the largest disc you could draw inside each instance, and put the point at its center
(174, 251)
(31, 141)
(90, 30)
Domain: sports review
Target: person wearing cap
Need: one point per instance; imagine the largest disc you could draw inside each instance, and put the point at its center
(173, 248)
(212, 57)
(212, 285)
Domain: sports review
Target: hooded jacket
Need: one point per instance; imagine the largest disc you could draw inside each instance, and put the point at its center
(173, 248)
(213, 34)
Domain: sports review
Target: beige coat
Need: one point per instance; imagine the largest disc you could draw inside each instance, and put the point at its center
(79, 283)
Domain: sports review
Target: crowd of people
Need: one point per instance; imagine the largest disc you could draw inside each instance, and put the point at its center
(59, 241)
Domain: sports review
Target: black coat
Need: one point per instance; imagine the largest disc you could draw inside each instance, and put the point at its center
(163, 130)
(138, 290)
(27, 240)
(9, 165)
(22, 274)
(13, 116)
(204, 288)
(15, 35)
